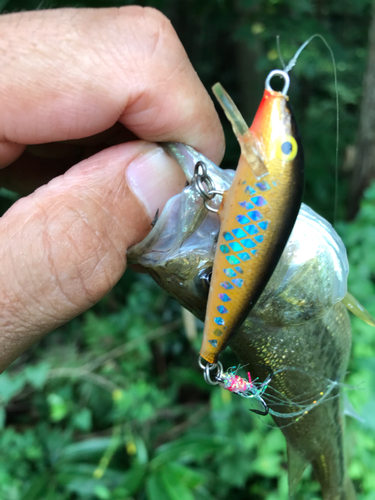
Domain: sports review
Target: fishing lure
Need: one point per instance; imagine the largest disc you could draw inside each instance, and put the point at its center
(257, 212)
(232, 382)
(298, 406)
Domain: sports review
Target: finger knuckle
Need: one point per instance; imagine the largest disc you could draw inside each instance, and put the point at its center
(152, 28)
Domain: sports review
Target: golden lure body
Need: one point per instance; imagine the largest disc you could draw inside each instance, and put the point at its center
(257, 215)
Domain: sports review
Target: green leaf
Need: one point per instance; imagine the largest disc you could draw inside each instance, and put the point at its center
(173, 484)
(58, 407)
(133, 478)
(203, 494)
(141, 450)
(68, 472)
(37, 375)
(185, 475)
(154, 488)
(84, 487)
(187, 449)
(10, 386)
(268, 465)
(89, 449)
(102, 492)
(234, 471)
(82, 420)
(38, 487)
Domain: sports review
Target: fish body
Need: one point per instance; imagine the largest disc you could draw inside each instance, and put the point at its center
(318, 343)
(257, 215)
(298, 321)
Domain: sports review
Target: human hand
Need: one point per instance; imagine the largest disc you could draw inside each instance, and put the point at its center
(87, 77)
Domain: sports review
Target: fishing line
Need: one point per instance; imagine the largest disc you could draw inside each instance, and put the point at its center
(288, 68)
(279, 51)
(294, 409)
(295, 419)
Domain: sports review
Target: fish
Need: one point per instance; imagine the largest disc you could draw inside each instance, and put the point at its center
(257, 214)
(299, 321)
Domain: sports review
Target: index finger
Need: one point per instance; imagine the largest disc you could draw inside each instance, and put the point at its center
(96, 67)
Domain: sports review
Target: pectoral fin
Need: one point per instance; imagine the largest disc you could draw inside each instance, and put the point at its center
(356, 308)
(296, 467)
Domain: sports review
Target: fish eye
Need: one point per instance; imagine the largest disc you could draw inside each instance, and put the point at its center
(286, 148)
(203, 280)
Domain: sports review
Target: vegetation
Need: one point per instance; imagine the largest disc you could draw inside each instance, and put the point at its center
(112, 405)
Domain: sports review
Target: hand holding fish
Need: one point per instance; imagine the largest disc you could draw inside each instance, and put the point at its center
(94, 78)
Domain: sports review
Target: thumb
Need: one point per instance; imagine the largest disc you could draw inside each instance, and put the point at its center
(64, 246)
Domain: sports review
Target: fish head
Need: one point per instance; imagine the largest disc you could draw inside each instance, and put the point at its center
(184, 271)
(179, 252)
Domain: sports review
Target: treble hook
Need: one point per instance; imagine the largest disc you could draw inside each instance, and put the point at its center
(264, 385)
(265, 406)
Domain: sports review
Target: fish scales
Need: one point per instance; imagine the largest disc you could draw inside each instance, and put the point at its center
(297, 346)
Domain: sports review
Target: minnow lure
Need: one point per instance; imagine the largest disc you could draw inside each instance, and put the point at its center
(257, 213)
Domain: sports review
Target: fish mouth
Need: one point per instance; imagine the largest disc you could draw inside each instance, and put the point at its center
(179, 250)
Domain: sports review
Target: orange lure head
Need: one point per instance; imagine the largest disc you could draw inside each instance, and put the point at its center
(275, 133)
(257, 215)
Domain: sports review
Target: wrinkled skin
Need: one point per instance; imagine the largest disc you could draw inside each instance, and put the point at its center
(299, 320)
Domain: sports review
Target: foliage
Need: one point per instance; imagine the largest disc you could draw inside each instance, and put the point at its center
(121, 411)
(112, 405)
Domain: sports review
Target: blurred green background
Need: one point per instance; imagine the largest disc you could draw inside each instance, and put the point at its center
(112, 405)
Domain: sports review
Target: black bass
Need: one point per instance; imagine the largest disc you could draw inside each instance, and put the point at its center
(299, 321)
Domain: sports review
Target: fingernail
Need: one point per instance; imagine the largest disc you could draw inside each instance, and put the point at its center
(155, 177)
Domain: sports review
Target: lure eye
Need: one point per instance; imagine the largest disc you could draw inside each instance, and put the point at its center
(286, 148)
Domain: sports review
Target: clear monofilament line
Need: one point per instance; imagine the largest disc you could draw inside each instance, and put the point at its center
(288, 68)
